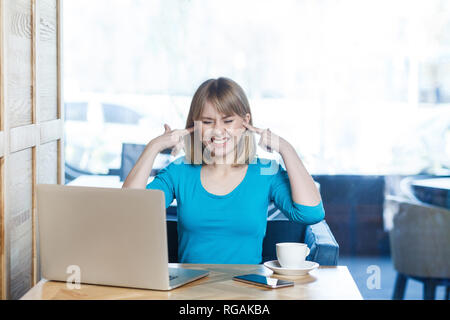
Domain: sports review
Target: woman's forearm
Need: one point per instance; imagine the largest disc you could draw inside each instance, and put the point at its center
(303, 187)
(138, 176)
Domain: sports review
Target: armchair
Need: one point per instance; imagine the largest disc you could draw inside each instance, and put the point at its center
(419, 240)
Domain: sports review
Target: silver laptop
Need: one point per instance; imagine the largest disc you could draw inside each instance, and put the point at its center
(109, 236)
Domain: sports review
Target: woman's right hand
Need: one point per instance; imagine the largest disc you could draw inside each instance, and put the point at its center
(171, 139)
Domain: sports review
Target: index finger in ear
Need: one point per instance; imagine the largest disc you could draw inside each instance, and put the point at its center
(167, 127)
(188, 131)
(252, 128)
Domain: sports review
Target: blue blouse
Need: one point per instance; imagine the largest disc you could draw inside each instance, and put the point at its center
(222, 229)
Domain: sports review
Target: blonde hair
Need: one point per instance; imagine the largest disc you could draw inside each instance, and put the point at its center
(228, 98)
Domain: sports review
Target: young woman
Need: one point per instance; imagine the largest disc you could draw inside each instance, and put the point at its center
(222, 188)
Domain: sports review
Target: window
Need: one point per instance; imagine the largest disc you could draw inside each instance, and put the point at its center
(354, 86)
(118, 114)
(75, 111)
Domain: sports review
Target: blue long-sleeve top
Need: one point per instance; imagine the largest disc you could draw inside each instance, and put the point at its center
(228, 228)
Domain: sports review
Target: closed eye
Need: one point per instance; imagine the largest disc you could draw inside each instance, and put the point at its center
(209, 122)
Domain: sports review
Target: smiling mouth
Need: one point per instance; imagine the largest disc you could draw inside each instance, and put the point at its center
(219, 142)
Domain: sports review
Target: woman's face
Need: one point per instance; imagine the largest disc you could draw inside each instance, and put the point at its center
(221, 133)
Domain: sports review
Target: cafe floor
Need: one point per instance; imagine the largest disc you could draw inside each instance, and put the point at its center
(360, 271)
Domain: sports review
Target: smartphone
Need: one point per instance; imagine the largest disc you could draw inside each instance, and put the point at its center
(264, 281)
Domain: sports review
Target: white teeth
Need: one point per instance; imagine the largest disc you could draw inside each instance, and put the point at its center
(216, 141)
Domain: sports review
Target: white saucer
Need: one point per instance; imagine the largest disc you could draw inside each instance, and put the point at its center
(306, 267)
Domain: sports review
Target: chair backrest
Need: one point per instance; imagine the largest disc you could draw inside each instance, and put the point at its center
(420, 239)
(281, 231)
(354, 203)
(130, 155)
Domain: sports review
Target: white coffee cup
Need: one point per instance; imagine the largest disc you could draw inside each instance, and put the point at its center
(291, 255)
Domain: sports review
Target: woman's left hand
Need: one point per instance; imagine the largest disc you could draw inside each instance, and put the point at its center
(269, 141)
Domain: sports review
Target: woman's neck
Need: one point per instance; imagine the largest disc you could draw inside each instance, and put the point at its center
(222, 169)
(222, 165)
(219, 169)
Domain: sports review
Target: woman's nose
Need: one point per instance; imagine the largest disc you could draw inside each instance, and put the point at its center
(219, 129)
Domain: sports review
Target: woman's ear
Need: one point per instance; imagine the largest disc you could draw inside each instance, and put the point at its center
(247, 118)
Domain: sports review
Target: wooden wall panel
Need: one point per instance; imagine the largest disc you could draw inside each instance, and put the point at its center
(31, 132)
(48, 163)
(19, 222)
(47, 71)
(18, 46)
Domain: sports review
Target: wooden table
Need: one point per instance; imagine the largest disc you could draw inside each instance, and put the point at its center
(322, 283)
